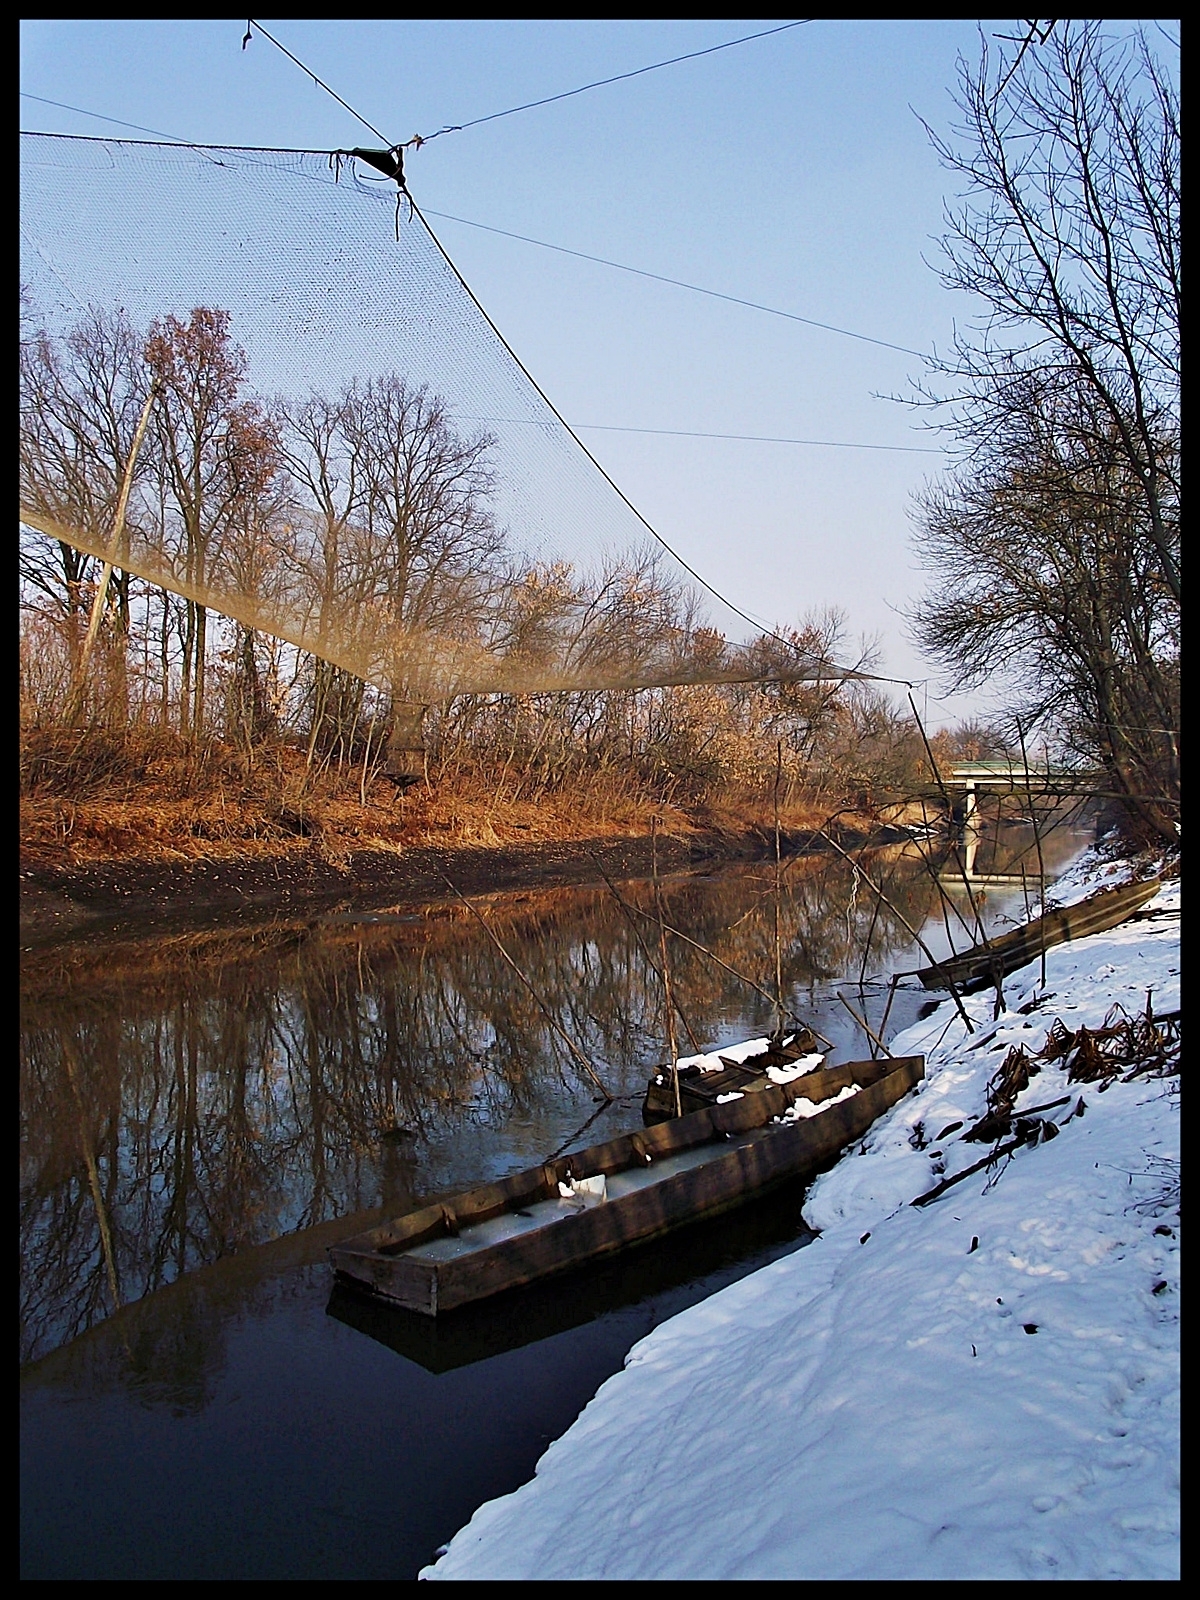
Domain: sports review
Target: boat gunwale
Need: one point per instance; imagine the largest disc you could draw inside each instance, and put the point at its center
(378, 1260)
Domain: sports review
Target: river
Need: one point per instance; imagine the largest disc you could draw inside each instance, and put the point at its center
(201, 1116)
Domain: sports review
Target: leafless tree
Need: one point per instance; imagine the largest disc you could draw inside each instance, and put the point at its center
(1055, 546)
(1068, 230)
(217, 453)
(406, 557)
(81, 397)
(1047, 578)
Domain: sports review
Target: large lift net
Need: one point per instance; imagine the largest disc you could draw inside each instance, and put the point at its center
(336, 445)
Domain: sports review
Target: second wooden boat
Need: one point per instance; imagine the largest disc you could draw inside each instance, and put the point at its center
(707, 1080)
(985, 963)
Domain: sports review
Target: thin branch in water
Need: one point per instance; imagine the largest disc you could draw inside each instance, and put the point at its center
(875, 889)
(642, 945)
(545, 1010)
(673, 1052)
(733, 972)
(864, 1025)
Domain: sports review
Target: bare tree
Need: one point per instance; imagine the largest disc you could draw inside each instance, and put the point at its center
(1055, 546)
(1068, 231)
(217, 454)
(1047, 578)
(407, 558)
(327, 473)
(81, 398)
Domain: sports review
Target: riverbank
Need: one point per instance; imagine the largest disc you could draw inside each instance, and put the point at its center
(146, 830)
(69, 894)
(983, 1386)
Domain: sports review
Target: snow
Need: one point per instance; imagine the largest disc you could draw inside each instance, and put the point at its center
(802, 1108)
(986, 1386)
(717, 1060)
(797, 1069)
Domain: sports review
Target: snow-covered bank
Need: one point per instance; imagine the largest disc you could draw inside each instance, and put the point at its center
(986, 1386)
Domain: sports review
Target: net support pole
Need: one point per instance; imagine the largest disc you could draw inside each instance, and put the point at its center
(75, 698)
(405, 758)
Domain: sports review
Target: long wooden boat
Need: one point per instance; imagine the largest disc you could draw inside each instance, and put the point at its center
(655, 1272)
(984, 963)
(703, 1085)
(584, 1205)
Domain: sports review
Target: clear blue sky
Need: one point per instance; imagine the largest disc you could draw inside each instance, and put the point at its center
(791, 170)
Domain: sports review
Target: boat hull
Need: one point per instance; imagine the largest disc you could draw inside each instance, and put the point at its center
(984, 964)
(725, 1154)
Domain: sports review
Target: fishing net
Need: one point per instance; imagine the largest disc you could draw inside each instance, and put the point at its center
(337, 446)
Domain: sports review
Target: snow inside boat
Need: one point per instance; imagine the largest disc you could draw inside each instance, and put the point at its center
(710, 1079)
(586, 1204)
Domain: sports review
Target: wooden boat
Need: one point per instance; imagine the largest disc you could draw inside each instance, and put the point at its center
(581, 1206)
(985, 963)
(702, 1085)
(650, 1273)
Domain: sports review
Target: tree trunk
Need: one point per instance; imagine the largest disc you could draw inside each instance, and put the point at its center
(405, 760)
(201, 659)
(185, 688)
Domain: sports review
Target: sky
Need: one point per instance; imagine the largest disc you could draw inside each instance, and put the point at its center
(792, 170)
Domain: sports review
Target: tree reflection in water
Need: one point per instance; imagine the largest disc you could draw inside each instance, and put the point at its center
(232, 1088)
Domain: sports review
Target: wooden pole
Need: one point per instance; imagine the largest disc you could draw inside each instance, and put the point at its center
(778, 947)
(666, 970)
(862, 1022)
(1037, 839)
(887, 1010)
(75, 698)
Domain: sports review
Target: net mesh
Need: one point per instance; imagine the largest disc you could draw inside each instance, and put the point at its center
(340, 448)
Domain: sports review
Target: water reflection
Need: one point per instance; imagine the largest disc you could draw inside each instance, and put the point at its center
(188, 1100)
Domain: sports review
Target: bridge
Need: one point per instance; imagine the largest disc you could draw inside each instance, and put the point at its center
(1008, 775)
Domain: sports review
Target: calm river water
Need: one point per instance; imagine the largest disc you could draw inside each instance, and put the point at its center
(203, 1115)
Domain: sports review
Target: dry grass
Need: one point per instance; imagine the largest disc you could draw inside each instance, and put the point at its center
(88, 799)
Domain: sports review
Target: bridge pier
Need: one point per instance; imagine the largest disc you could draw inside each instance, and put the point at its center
(970, 829)
(1007, 776)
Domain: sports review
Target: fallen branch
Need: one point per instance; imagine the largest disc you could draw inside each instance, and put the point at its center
(989, 1160)
(862, 1022)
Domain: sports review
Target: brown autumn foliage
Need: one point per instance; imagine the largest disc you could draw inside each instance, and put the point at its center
(92, 794)
(185, 732)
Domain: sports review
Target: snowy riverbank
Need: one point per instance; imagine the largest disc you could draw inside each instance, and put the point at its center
(985, 1386)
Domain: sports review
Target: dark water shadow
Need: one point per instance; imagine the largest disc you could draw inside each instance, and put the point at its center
(298, 1448)
(703, 1256)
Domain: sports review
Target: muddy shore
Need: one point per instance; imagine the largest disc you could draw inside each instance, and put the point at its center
(119, 897)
